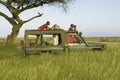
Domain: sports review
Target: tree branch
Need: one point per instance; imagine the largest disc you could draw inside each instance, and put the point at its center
(3, 3)
(9, 2)
(8, 18)
(28, 7)
(39, 15)
(20, 4)
(8, 5)
(36, 5)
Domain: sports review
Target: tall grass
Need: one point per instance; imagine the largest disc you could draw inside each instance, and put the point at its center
(77, 65)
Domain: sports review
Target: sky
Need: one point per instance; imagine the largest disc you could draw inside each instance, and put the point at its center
(92, 17)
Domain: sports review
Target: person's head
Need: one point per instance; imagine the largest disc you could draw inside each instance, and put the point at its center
(75, 26)
(72, 25)
(80, 33)
(55, 26)
(48, 22)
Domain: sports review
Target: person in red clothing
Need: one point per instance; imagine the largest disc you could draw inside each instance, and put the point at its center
(71, 39)
(42, 27)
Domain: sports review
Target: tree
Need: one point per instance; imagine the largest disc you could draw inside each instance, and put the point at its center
(16, 7)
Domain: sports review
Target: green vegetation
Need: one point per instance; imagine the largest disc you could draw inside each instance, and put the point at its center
(78, 65)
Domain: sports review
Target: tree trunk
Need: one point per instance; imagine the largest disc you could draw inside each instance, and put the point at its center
(13, 35)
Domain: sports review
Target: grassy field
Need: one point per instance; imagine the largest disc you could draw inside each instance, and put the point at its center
(78, 65)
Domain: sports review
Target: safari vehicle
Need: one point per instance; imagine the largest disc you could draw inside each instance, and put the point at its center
(54, 41)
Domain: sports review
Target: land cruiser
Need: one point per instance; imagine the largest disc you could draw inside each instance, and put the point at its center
(54, 41)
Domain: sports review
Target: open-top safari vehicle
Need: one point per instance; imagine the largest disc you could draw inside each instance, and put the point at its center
(54, 41)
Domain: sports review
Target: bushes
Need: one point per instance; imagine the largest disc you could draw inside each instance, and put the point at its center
(109, 39)
(102, 39)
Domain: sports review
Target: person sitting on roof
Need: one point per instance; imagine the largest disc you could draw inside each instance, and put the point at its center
(71, 39)
(55, 27)
(55, 36)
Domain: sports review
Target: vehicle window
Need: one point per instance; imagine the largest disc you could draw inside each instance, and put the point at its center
(53, 39)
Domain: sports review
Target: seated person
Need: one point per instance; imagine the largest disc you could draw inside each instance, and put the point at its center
(74, 39)
(55, 36)
(55, 27)
(71, 39)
